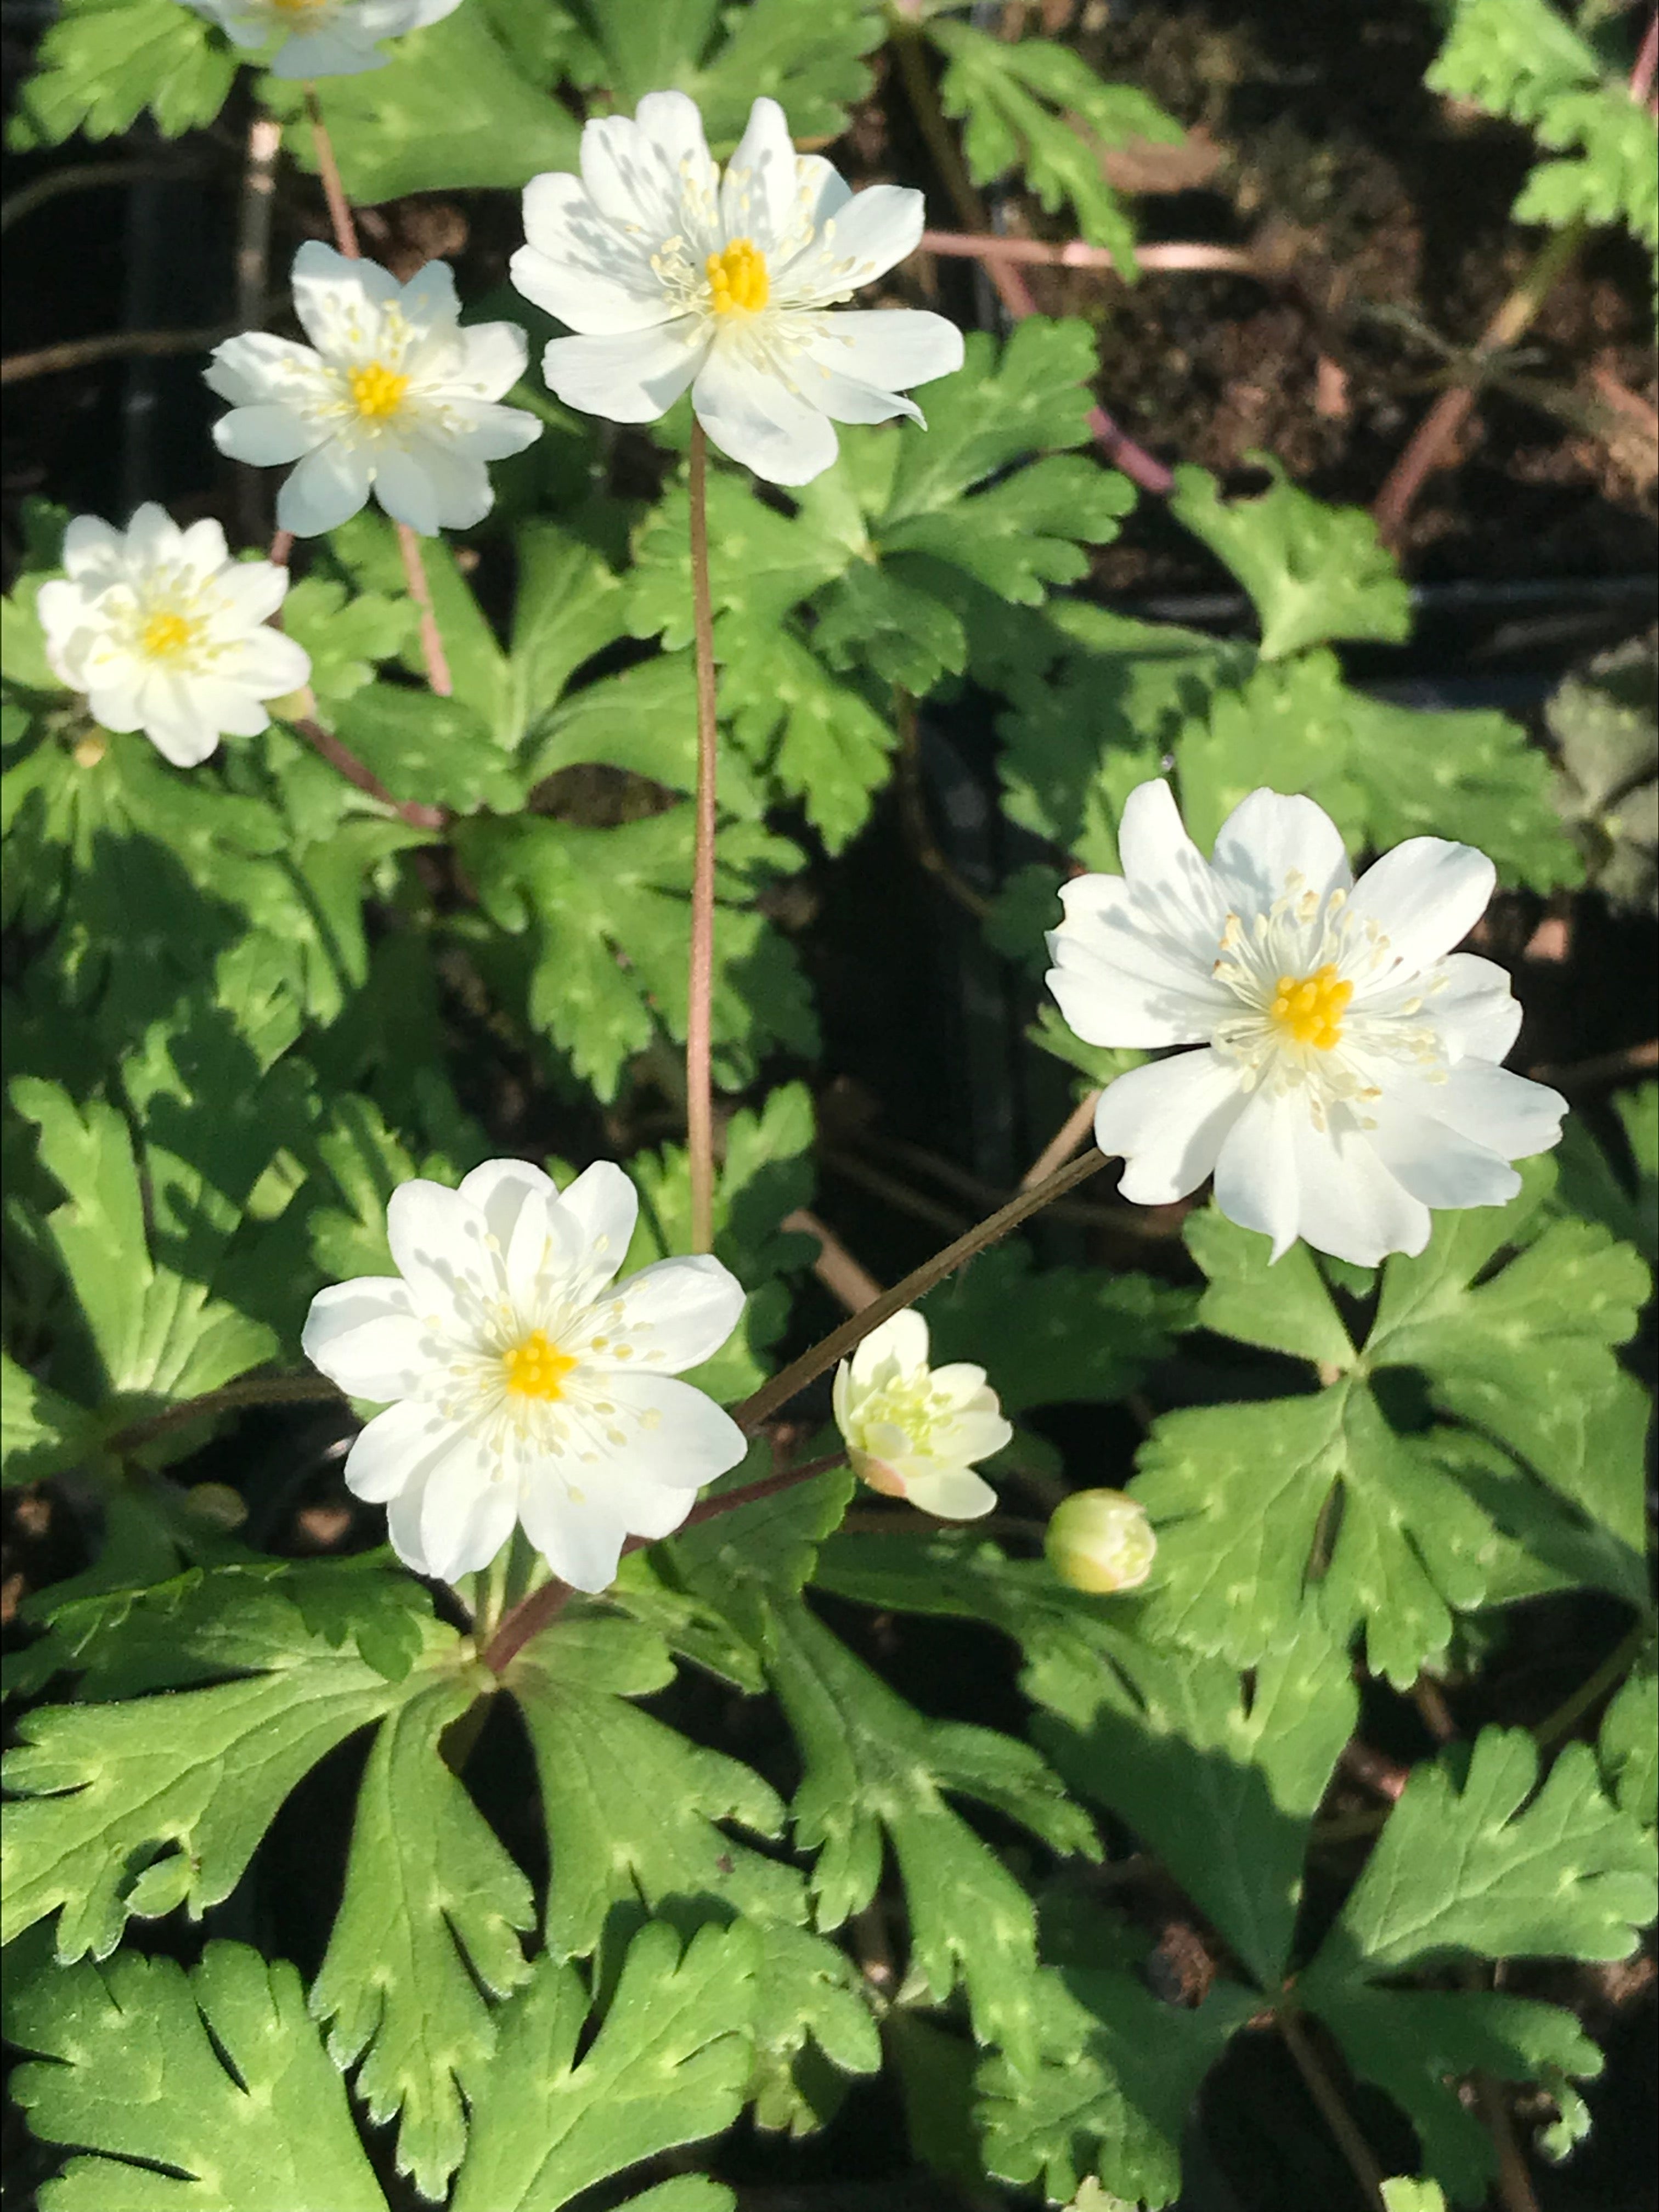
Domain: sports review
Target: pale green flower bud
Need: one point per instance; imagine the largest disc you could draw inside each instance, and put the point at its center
(1101, 1541)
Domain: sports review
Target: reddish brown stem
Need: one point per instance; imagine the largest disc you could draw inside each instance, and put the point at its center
(339, 756)
(339, 207)
(1075, 253)
(700, 986)
(1641, 78)
(432, 643)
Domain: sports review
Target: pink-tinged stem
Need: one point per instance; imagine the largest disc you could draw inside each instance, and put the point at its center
(339, 207)
(432, 643)
(699, 1091)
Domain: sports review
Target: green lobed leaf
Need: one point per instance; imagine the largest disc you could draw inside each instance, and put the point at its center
(426, 1924)
(1008, 96)
(112, 1823)
(347, 636)
(104, 63)
(41, 1431)
(205, 2092)
(669, 2064)
(1627, 1749)
(1315, 572)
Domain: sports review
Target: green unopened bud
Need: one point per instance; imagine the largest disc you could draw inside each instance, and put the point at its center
(1101, 1541)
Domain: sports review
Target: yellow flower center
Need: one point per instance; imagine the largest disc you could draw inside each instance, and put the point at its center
(377, 390)
(535, 1368)
(738, 282)
(297, 7)
(1311, 1007)
(166, 637)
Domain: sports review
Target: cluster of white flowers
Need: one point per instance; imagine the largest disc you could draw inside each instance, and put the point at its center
(1347, 1075)
(320, 38)
(1348, 1080)
(165, 633)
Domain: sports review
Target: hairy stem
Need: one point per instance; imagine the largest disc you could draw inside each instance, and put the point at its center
(1323, 2091)
(432, 643)
(257, 1390)
(795, 1378)
(1063, 1142)
(700, 993)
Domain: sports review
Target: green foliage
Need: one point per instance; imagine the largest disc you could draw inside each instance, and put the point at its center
(1018, 104)
(1522, 58)
(1606, 729)
(205, 2092)
(1485, 1411)
(104, 63)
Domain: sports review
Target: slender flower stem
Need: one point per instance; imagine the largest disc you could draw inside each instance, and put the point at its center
(1427, 451)
(340, 757)
(432, 643)
(1608, 1676)
(1063, 1142)
(528, 1618)
(257, 1390)
(339, 207)
(795, 1378)
(700, 990)
(1322, 2090)
(1075, 253)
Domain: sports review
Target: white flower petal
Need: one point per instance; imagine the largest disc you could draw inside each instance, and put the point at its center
(174, 717)
(1268, 837)
(256, 370)
(1475, 1012)
(955, 1493)
(544, 1257)
(1255, 1170)
(889, 350)
(1430, 1159)
(671, 122)
(405, 490)
(365, 1337)
(902, 1339)
(672, 1432)
(248, 592)
(267, 664)
(494, 357)
(1350, 1204)
(874, 230)
(467, 1509)
(758, 422)
(1170, 880)
(629, 178)
(328, 486)
(577, 265)
(439, 1245)
(339, 300)
(580, 1539)
(430, 296)
(604, 1205)
(325, 54)
(399, 1447)
(634, 378)
(1425, 895)
(682, 1310)
(499, 1188)
(89, 544)
(1128, 973)
(757, 193)
(1493, 1106)
(1169, 1121)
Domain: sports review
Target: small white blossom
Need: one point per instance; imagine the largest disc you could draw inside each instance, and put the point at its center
(523, 1385)
(392, 395)
(321, 38)
(166, 634)
(1100, 1540)
(913, 1431)
(674, 275)
(1348, 1080)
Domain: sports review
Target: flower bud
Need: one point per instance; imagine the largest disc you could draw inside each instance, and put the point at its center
(1101, 1541)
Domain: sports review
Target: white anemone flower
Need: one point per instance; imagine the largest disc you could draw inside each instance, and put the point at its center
(524, 1385)
(392, 395)
(673, 275)
(321, 38)
(165, 633)
(1348, 1079)
(913, 1431)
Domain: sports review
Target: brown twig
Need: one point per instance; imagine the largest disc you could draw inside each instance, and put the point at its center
(432, 643)
(1605, 1071)
(1514, 2187)
(116, 345)
(256, 1390)
(1321, 2088)
(1063, 1142)
(419, 817)
(836, 1268)
(700, 988)
(339, 207)
(1431, 441)
(799, 1372)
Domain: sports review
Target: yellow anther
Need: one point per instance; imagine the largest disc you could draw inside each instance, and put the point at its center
(535, 1369)
(377, 390)
(1311, 1006)
(738, 282)
(166, 637)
